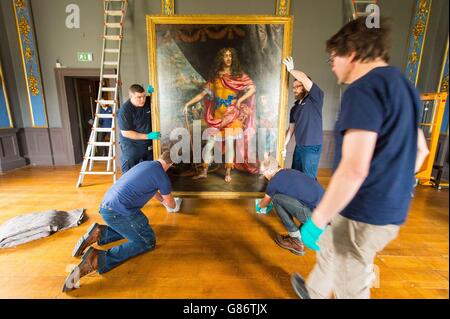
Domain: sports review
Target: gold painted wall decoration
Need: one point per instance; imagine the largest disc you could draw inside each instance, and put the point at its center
(168, 7)
(5, 111)
(283, 7)
(30, 61)
(417, 39)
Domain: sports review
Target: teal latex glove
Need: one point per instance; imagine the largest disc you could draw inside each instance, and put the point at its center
(150, 89)
(258, 209)
(264, 210)
(154, 136)
(311, 235)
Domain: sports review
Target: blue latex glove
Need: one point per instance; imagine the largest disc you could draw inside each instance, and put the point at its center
(150, 89)
(154, 136)
(311, 235)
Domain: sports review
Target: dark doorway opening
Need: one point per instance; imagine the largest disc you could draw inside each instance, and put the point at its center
(81, 100)
(77, 93)
(86, 91)
(82, 94)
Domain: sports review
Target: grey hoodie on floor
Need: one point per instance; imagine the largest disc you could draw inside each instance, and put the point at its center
(26, 228)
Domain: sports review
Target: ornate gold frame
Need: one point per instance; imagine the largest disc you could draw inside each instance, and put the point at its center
(154, 20)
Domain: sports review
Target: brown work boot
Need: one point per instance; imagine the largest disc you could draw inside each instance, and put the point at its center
(293, 244)
(92, 236)
(88, 264)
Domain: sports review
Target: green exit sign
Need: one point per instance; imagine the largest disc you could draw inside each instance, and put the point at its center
(85, 57)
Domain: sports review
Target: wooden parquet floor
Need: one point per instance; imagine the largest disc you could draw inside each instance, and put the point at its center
(211, 249)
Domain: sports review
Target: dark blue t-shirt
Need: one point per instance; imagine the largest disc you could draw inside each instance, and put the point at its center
(138, 119)
(307, 117)
(105, 123)
(136, 187)
(297, 185)
(385, 102)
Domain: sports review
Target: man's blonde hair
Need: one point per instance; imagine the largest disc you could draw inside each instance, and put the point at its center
(268, 164)
(165, 156)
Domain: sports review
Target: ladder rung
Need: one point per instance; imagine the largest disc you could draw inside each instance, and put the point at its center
(114, 12)
(100, 158)
(106, 102)
(110, 76)
(105, 116)
(101, 143)
(102, 129)
(113, 25)
(113, 37)
(108, 89)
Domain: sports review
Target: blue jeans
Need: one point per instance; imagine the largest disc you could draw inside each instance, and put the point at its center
(287, 207)
(134, 227)
(306, 159)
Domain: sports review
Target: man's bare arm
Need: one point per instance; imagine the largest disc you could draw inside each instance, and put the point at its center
(265, 201)
(422, 150)
(169, 200)
(302, 77)
(133, 135)
(357, 152)
(289, 133)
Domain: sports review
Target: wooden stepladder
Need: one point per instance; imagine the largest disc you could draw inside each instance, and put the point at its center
(108, 93)
(359, 7)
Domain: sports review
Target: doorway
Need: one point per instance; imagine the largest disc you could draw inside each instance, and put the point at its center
(77, 94)
(86, 91)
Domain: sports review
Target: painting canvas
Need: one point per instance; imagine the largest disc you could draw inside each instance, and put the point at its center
(220, 99)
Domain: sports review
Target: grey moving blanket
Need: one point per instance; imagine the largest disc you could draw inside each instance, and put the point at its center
(23, 229)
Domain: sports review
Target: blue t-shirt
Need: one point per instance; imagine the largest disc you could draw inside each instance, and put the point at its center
(297, 185)
(105, 123)
(307, 117)
(385, 102)
(136, 187)
(138, 119)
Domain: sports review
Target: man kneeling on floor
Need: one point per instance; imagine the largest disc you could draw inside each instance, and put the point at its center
(121, 210)
(293, 194)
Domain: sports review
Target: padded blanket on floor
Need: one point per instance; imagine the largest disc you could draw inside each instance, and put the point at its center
(26, 228)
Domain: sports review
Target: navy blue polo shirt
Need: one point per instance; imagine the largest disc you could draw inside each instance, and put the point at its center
(385, 102)
(307, 117)
(105, 123)
(297, 185)
(138, 119)
(136, 187)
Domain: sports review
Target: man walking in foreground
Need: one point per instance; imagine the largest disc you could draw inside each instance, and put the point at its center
(378, 150)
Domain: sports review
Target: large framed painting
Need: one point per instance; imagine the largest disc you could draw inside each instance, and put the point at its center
(220, 99)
